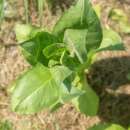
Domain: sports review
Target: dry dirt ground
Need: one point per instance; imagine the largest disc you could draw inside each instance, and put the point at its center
(108, 75)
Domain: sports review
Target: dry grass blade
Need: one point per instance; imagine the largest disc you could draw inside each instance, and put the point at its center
(26, 6)
(40, 10)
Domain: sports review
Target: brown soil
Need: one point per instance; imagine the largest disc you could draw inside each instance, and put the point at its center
(107, 76)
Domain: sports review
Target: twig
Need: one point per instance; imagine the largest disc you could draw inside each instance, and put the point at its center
(41, 120)
(4, 104)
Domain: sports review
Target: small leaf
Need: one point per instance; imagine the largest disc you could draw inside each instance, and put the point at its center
(111, 41)
(56, 106)
(38, 89)
(71, 62)
(53, 62)
(54, 50)
(105, 126)
(33, 48)
(25, 32)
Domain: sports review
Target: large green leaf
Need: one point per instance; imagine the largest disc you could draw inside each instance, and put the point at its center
(39, 88)
(105, 126)
(33, 48)
(88, 102)
(111, 41)
(81, 16)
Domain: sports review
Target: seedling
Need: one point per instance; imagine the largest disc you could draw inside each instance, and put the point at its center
(60, 60)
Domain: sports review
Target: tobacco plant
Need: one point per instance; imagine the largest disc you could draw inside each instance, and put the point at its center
(60, 60)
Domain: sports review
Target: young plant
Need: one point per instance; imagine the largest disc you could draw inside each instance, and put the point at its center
(60, 60)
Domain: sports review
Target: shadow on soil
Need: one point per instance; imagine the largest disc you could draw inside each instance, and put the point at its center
(112, 74)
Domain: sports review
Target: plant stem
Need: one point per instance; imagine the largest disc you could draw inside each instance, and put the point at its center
(90, 59)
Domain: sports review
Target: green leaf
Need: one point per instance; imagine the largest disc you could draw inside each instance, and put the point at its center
(54, 50)
(88, 102)
(76, 41)
(53, 63)
(25, 32)
(70, 95)
(57, 106)
(81, 16)
(38, 89)
(98, 9)
(105, 126)
(111, 41)
(33, 48)
(71, 62)
(68, 92)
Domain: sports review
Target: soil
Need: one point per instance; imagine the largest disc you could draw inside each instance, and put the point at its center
(108, 75)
